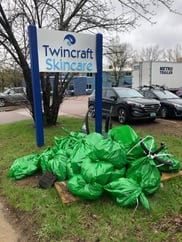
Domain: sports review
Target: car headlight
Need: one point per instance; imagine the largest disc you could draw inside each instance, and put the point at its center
(138, 105)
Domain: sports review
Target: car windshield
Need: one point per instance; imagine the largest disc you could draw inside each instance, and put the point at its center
(128, 92)
(165, 94)
(9, 91)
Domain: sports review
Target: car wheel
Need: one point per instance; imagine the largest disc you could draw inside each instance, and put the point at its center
(164, 112)
(122, 116)
(91, 111)
(2, 102)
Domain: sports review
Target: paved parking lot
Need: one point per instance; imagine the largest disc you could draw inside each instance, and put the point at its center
(76, 106)
(72, 106)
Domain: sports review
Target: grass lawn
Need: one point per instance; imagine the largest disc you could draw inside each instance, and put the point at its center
(46, 219)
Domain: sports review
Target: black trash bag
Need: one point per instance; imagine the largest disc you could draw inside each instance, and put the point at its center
(47, 180)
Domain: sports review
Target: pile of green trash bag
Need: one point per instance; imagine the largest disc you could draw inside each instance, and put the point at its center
(94, 164)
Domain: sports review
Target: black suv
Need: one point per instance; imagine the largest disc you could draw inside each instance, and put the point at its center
(126, 104)
(171, 104)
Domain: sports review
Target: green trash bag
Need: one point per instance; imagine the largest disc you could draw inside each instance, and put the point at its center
(24, 166)
(110, 151)
(99, 172)
(125, 135)
(80, 152)
(117, 173)
(45, 157)
(127, 192)
(79, 187)
(145, 173)
(58, 165)
(166, 156)
(68, 143)
(131, 142)
(93, 138)
(137, 151)
(69, 170)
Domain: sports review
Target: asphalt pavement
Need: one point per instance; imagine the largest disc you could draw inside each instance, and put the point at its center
(75, 106)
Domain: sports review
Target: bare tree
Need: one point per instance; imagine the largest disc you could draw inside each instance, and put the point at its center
(77, 16)
(174, 55)
(152, 53)
(118, 55)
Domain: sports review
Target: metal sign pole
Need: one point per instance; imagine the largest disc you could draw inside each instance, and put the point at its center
(36, 85)
(98, 85)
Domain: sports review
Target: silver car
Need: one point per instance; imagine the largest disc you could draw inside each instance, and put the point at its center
(13, 96)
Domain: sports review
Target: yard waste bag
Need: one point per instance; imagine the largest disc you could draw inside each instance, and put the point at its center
(24, 166)
(127, 192)
(79, 187)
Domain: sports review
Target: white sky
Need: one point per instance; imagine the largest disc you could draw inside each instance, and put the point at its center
(166, 33)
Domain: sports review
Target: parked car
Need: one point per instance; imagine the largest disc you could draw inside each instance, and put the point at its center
(13, 96)
(127, 104)
(171, 104)
(179, 92)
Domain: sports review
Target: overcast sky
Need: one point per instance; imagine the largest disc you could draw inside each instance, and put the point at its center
(166, 33)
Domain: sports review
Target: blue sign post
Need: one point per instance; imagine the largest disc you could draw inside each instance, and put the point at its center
(36, 85)
(98, 85)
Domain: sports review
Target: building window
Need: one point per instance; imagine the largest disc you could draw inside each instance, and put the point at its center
(71, 89)
(128, 73)
(90, 74)
(88, 88)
